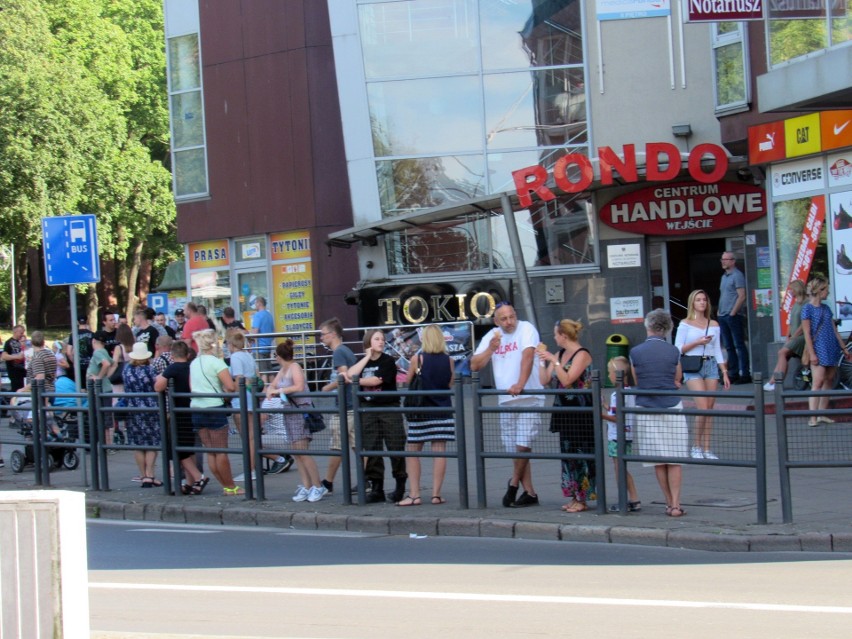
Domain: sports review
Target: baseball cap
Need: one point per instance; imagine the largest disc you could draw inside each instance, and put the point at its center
(83, 320)
(179, 312)
(101, 336)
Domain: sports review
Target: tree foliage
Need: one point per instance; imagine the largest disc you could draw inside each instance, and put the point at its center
(84, 125)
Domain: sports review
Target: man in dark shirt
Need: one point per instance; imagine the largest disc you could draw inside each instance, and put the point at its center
(160, 320)
(144, 331)
(84, 349)
(13, 355)
(109, 327)
(229, 319)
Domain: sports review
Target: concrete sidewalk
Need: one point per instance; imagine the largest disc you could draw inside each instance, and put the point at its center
(720, 504)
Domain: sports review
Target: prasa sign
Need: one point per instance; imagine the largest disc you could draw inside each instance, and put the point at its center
(683, 208)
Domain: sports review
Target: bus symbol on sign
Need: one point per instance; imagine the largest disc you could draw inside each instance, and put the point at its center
(78, 231)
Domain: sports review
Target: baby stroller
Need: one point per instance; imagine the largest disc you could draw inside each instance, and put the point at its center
(62, 428)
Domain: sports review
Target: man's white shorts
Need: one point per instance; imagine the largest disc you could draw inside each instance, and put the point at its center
(521, 429)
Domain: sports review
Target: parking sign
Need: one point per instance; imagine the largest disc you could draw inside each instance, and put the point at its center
(71, 250)
(158, 302)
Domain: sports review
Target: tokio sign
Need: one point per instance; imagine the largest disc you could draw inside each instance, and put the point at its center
(573, 172)
(723, 10)
(685, 208)
(416, 309)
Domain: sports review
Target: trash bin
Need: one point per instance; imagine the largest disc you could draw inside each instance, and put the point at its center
(615, 345)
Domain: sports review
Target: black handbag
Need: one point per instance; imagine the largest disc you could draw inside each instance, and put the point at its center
(314, 422)
(117, 375)
(415, 401)
(694, 363)
(691, 363)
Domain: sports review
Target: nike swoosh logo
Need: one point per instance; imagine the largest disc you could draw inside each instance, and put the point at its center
(839, 129)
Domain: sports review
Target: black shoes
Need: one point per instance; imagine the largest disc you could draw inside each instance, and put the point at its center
(526, 500)
(329, 486)
(844, 264)
(376, 494)
(509, 497)
(399, 493)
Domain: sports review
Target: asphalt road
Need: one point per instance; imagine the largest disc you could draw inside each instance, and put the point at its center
(148, 580)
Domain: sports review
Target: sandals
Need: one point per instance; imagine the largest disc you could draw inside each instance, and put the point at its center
(632, 506)
(230, 492)
(409, 501)
(198, 487)
(575, 507)
(437, 500)
(150, 482)
(675, 511)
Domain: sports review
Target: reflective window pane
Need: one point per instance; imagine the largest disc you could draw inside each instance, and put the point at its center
(426, 182)
(418, 37)
(790, 39)
(556, 233)
(535, 33)
(190, 172)
(841, 21)
(425, 116)
(501, 165)
(446, 247)
(184, 67)
(730, 74)
(539, 108)
(187, 120)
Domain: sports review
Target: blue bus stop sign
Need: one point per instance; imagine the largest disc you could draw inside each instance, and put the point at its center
(71, 250)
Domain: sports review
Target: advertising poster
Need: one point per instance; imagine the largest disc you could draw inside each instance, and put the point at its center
(292, 282)
(626, 310)
(840, 214)
(799, 233)
(402, 343)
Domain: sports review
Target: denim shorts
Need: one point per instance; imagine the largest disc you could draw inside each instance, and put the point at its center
(213, 421)
(710, 370)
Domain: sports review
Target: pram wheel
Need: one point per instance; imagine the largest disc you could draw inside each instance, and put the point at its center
(119, 437)
(70, 460)
(17, 461)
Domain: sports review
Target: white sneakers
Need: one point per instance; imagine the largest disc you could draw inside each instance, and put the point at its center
(242, 477)
(314, 494)
(698, 453)
(769, 386)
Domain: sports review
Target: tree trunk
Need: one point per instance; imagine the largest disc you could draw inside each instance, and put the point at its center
(21, 278)
(135, 255)
(91, 306)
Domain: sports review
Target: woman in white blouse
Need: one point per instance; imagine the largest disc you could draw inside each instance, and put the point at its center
(699, 335)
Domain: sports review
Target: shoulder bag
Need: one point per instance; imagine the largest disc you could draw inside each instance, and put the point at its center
(693, 363)
(314, 422)
(117, 375)
(415, 401)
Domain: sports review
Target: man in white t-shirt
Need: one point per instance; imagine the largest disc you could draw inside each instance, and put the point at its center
(510, 347)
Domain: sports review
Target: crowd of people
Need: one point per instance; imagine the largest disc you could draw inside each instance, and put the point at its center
(132, 362)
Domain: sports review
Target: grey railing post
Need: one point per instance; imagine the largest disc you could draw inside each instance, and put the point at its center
(461, 442)
(600, 456)
(481, 498)
(783, 467)
(760, 447)
(89, 420)
(345, 444)
(359, 441)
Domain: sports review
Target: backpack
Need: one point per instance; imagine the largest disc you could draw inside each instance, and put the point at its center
(84, 348)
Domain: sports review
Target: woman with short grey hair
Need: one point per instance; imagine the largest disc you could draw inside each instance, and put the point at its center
(656, 366)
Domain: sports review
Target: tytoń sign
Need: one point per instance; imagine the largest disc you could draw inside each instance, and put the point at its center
(685, 208)
(662, 164)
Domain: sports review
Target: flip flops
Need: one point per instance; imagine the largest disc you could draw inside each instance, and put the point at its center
(409, 501)
(437, 500)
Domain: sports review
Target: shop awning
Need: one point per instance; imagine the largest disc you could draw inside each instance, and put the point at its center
(174, 279)
(368, 234)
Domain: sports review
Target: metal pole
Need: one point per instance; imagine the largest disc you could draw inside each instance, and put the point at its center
(518, 258)
(760, 447)
(461, 443)
(75, 336)
(481, 499)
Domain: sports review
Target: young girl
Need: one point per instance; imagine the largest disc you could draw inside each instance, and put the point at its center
(615, 365)
(290, 379)
(823, 345)
(699, 335)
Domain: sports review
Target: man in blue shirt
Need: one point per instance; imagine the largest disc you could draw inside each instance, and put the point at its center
(732, 299)
(262, 322)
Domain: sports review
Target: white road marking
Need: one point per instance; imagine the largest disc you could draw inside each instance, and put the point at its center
(466, 596)
(173, 531)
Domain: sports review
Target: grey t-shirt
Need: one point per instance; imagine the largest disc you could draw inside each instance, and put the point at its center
(343, 356)
(655, 362)
(728, 290)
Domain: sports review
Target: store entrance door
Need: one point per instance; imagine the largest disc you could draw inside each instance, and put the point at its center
(678, 267)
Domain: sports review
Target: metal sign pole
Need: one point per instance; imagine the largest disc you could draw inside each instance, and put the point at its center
(75, 335)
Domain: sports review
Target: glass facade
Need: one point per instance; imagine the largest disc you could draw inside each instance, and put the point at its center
(799, 29)
(186, 105)
(460, 93)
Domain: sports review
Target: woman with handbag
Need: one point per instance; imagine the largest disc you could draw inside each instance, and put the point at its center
(209, 375)
(120, 355)
(291, 379)
(433, 367)
(823, 345)
(698, 341)
(570, 369)
(101, 367)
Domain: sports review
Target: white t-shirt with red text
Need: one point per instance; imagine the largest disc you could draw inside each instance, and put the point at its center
(506, 361)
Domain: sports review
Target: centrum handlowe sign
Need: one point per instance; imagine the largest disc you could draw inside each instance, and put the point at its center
(685, 208)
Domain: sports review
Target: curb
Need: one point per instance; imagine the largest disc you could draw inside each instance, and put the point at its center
(471, 527)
